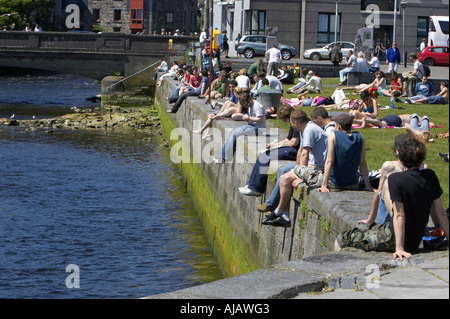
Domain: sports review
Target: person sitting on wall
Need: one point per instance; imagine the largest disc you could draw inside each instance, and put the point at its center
(284, 150)
(195, 92)
(219, 88)
(312, 153)
(272, 202)
(256, 122)
(172, 72)
(415, 195)
(381, 203)
(228, 109)
(163, 67)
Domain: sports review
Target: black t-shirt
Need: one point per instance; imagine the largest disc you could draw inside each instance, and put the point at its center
(292, 134)
(416, 189)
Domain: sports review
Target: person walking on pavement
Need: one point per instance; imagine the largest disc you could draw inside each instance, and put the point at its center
(336, 55)
(273, 57)
(393, 58)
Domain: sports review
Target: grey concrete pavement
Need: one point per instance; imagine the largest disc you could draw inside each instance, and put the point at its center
(349, 274)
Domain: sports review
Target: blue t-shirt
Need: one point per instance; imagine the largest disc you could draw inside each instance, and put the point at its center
(314, 137)
(347, 154)
(424, 89)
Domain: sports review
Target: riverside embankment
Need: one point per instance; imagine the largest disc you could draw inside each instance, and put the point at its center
(266, 262)
(230, 220)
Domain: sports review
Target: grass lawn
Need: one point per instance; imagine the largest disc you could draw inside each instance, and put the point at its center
(380, 141)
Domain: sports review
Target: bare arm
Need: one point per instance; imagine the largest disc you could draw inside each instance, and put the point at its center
(328, 163)
(399, 230)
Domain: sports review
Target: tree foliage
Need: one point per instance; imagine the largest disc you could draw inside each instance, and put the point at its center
(27, 11)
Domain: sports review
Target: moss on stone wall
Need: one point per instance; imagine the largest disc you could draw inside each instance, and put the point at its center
(231, 254)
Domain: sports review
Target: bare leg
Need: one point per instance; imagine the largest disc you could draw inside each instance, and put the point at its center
(286, 190)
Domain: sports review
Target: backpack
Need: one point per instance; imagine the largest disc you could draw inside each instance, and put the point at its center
(427, 70)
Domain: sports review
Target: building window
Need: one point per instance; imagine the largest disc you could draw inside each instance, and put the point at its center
(384, 5)
(136, 16)
(422, 29)
(169, 17)
(96, 14)
(117, 15)
(326, 27)
(255, 22)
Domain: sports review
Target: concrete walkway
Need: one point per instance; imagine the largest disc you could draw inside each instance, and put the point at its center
(349, 274)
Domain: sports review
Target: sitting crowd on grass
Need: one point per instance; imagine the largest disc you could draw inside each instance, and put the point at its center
(325, 151)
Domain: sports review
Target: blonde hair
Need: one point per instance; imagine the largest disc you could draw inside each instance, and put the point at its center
(360, 54)
(242, 72)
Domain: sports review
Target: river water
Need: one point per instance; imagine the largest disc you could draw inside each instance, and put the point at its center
(90, 214)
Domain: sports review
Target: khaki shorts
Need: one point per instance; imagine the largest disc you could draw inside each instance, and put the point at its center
(374, 237)
(312, 177)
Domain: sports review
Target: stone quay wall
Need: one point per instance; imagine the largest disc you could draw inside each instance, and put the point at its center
(231, 220)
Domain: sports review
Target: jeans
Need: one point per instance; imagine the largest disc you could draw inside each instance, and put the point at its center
(424, 125)
(180, 99)
(373, 70)
(230, 144)
(258, 177)
(155, 75)
(274, 197)
(343, 73)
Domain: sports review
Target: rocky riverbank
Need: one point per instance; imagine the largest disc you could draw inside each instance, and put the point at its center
(107, 118)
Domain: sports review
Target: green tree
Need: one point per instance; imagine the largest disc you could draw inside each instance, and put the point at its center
(26, 11)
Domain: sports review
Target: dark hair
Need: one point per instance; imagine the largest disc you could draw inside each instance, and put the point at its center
(299, 117)
(319, 111)
(445, 84)
(364, 95)
(265, 81)
(244, 97)
(411, 152)
(284, 112)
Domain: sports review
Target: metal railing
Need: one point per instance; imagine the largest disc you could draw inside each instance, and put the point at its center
(130, 76)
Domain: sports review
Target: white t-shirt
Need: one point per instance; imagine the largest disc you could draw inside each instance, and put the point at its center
(164, 66)
(274, 55)
(257, 110)
(419, 66)
(375, 63)
(243, 81)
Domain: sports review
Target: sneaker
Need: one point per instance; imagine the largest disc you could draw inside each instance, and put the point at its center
(397, 99)
(218, 160)
(408, 101)
(278, 222)
(269, 217)
(248, 192)
(263, 208)
(444, 157)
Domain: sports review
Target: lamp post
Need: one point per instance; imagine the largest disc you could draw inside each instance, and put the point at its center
(336, 21)
(403, 5)
(395, 22)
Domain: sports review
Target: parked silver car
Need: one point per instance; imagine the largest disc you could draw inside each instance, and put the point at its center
(324, 53)
(255, 45)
